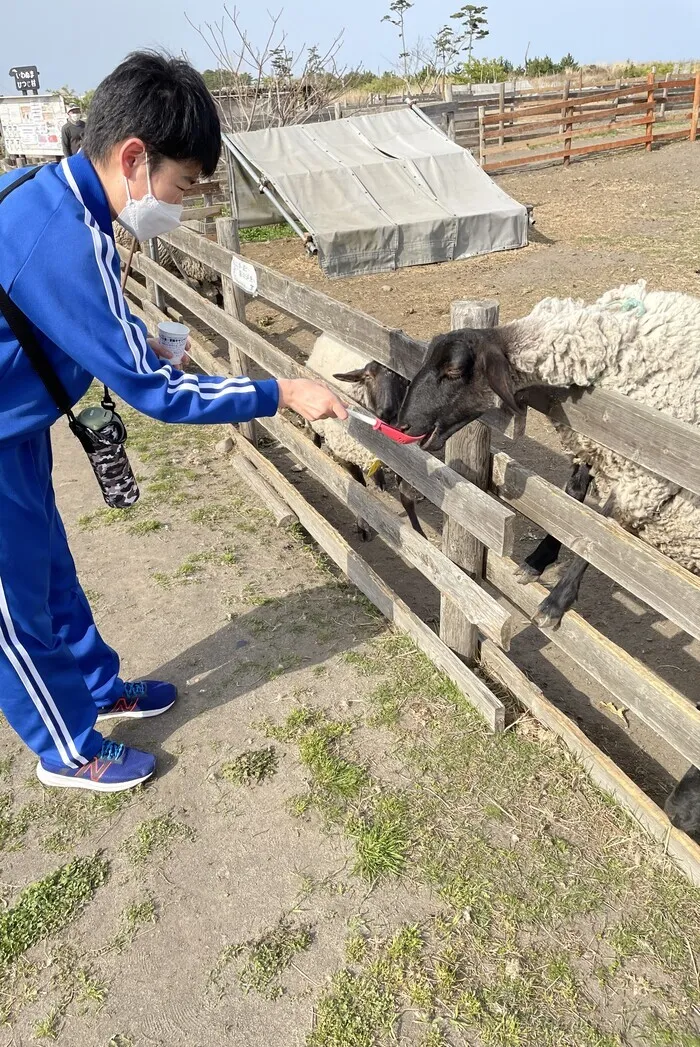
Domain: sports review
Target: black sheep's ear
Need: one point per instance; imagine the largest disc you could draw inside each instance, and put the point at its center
(499, 378)
(352, 376)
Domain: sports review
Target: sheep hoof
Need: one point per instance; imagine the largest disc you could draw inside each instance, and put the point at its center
(526, 574)
(549, 615)
(363, 529)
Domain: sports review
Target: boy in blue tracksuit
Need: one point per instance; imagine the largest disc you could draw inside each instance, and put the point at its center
(153, 132)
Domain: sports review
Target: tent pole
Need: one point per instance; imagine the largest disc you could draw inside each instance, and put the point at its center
(243, 161)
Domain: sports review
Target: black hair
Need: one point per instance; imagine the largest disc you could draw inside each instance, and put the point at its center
(161, 100)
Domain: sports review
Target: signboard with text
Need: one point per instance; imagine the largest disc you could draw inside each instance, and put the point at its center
(31, 125)
(26, 78)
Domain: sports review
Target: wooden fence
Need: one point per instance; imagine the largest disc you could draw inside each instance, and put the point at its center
(516, 136)
(479, 493)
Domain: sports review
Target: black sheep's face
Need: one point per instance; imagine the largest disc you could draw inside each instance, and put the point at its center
(464, 375)
(383, 389)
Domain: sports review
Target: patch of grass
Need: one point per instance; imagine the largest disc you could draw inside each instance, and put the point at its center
(136, 915)
(263, 233)
(70, 818)
(253, 595)
(251, 768)
(265, 959)
(382, 838)
(47, 906)
(213, 514)
(156, 837)
(361, 1008)
(147, 526)
(13, 823)
(49, 1027)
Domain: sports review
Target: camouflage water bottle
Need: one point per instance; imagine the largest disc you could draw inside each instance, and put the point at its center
(103, 435)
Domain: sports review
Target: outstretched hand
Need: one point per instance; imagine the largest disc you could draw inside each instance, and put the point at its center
(312, 400)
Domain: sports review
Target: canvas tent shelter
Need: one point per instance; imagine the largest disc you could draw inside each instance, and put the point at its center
(375, 192)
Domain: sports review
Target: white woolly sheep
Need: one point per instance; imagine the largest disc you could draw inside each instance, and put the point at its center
(379, 389)
(643, 344)
(196, 275)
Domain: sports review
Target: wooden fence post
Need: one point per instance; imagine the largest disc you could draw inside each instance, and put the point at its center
(501, 110)
(234, 302)
(468, 453)
(564, 98)
(664, 99)
(568, 131)
(154, 292)
(616, 103)
(651, 112)
(482, 136)
(696, 110)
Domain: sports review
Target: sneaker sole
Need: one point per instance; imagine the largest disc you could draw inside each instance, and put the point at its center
(62, 781)
(135, 715)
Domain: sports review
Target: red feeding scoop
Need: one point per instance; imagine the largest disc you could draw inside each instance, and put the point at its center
(382, 427)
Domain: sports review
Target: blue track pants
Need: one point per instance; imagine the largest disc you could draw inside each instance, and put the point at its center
(55, 668)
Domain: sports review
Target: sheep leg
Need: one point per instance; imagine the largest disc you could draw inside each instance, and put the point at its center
(683, 804)
(565, 593)
(547, 552)
(363, 528)
(408, 501)
(379, 479)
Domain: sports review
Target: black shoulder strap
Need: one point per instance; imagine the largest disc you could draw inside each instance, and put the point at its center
(23, 332)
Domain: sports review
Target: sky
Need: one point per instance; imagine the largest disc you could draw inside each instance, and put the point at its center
(77, 42)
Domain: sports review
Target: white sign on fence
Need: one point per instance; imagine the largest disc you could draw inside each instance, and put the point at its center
(244, 276)
(31, 126)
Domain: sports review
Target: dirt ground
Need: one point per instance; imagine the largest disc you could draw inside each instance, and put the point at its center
(334, 852)
(598, 224)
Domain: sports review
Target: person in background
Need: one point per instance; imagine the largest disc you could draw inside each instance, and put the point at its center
(153, 132)
(73, 131)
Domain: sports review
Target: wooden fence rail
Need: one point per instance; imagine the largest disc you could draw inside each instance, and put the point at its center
(531, 127)
(654, 440)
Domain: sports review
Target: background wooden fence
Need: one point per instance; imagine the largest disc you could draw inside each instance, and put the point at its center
(479, 492)
(524, 134)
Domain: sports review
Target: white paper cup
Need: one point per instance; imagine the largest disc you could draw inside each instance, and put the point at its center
(173, 337)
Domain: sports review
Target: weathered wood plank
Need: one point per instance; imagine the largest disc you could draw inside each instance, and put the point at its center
(468, 453)
(662, 444)
(491, 522)
(473, 601)
(560, 154)
(388, 345)
(512, 121)
(200, 188)
(382, 596)
(284, 516)
(644, 572)
(190, 214)
(631, 683)
(600, 767)
(234, 303)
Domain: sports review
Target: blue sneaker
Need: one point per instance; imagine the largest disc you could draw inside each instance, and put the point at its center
(113, 769)
(140, 699)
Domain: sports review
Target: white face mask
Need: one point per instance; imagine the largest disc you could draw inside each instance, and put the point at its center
(74, 118)
(148, 217)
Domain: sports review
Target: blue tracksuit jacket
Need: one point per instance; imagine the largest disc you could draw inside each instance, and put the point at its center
(59, 265)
